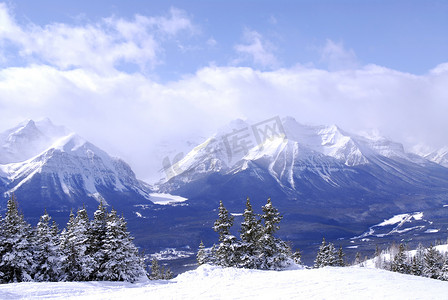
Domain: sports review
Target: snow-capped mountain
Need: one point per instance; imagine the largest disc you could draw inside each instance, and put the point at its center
(300, 156)
(47, 167)
(325, 180)
(440, 156)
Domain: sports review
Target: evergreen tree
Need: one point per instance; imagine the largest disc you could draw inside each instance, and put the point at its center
(77, 263)
(201, 257)
(155, 270)
(443, 275)
(47, 257)
(340, 261)
(326, 256)
(433, 262)
(225, 253)
(168, 275)
(158, 272)
(400, 261)
(275, 253)
(96, 239)
(297, 257)
(16, 260)
(417, 262)
(357, 259)
(250, 233)
(122, 261)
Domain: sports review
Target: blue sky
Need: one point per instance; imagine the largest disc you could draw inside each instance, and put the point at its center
(408, 36)
(129, 74)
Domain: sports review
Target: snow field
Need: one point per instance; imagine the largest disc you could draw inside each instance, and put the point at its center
(210, 282)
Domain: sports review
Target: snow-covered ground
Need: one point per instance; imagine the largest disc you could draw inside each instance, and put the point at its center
(166, 199)
(208, 282)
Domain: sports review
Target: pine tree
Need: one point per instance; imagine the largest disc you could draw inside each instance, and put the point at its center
(96, 240)
(357, 259)
(417, 262)
(159, 272)
(326, 256)
(225, 252)
(400, 261)
(155, 270)
(275, 253)
(297, 257)
(201, 257)
(340, 262)
(17, 260)
(443, 275)
(433, 262)
(77, 263)
(122, 260)
(250, 233)
(47, 257)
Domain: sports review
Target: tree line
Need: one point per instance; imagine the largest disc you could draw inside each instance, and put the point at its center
(427, 262)
(97, 249)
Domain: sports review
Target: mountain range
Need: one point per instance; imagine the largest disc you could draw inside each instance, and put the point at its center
(325, 181)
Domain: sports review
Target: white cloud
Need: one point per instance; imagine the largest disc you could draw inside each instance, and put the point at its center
(257, 50)
(337, 57)
(100, 46)
(128, 114)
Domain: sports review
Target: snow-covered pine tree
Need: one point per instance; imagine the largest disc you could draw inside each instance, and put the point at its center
(297, 257)
(47, 257)
(225, 253)
(159, 272)
(400, 261)
(16, 260)
(340, 261)
(155, 270)
(77, 263)
(250, 233)
(168, 274)
(201, 256)
(275, 253)
(96, 239)
(358, 260)
(321, 256)
(332, 255)
(433, 262)
(443, 275)
(326, 256)
(418, 260)
(123, 262)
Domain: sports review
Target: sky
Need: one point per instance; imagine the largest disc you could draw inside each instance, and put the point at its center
(131, 75)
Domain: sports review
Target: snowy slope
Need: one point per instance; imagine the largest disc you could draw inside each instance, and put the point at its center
(440, 156)
(209, 282)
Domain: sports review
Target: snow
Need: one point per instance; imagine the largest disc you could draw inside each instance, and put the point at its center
(401, 218)
(400, 222)
(166, 199)
(208, 282)
(64, 156)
